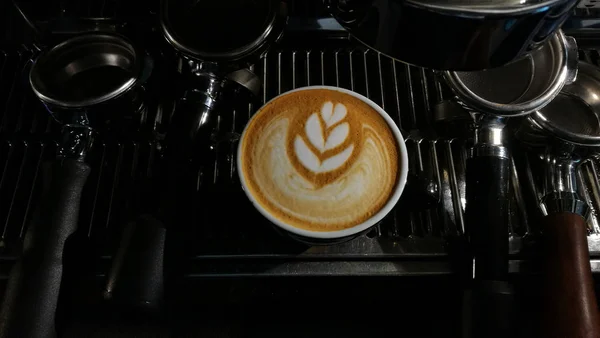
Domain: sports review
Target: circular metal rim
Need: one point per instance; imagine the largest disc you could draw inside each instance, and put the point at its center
(238, 53)
(541, 121)
(474, 11)
(476, 103)
(137, 68)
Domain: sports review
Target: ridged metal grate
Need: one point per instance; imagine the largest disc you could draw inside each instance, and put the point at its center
(407, 94)
(118, 161)
(228, 236)
(241, 242)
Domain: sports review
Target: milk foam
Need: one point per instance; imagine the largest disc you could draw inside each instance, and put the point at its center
(324, 132)
(339, 202)
(293, 152)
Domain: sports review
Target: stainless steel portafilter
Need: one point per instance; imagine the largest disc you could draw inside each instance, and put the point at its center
(81, 82)
(493, 96)
(563, 133)
(521, 87)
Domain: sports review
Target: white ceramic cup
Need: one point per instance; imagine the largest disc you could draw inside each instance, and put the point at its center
(349, 233)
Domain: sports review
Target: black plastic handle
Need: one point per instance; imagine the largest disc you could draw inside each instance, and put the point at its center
(487, 184)
(486, 215)
(29, 305)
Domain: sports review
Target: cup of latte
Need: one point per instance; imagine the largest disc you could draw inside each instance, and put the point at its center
(322, 163)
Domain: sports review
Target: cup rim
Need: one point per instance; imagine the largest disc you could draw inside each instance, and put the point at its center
(389, 205)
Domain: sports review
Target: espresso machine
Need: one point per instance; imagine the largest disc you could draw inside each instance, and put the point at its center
(486, 57)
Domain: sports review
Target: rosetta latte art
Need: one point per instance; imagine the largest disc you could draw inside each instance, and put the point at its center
(319, 160)
(326, 132)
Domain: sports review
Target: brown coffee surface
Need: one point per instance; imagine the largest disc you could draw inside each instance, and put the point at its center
(319, 159)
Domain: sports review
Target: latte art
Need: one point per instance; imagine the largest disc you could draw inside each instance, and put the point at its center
(324, 131)
(323, 146)
(319, 160)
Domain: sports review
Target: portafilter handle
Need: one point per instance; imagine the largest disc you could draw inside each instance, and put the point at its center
(487, 187)
(570, 307)
(31, 296)
(488, 177)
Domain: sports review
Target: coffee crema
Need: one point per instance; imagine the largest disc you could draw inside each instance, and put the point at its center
(319, 160)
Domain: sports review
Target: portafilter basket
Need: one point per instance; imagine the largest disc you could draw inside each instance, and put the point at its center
(520, 87)
(563, 132)
(493, 95)
(72, 79)
(212, 64)
(86, 70)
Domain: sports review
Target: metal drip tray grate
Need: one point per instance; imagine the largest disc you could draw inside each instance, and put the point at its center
(226, 228)
(228, 237)
(240, 241)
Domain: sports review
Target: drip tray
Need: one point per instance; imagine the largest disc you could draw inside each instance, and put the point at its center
(227, 236)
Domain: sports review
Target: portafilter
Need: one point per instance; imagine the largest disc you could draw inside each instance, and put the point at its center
(79, 81)
(493, 96)
(219, 37)
(228, 32)
(453, 34)
(215, 43)
(562, 133)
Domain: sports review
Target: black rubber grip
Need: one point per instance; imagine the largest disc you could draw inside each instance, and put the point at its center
(29, 305)
(486, 215)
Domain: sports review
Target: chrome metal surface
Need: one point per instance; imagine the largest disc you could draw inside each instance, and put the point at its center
(490, 138)
(489, 130)
(212, 86)
(490, 134)
(208, 85)
(197, 112)
(486, 6)
(432, 189)
(246, 79)
(561, 172)
(517, 190)
(235, 243)
(76, 141)
(407, 94)
(590, 191)
(187, 65)
(489, 150)
(86, 70)
(322, 267)
(572, 59)
(574, 115)
(521, 87)
(559, 168)
(554, 132)
(460, 35)
(189, 27)
(558, 202)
